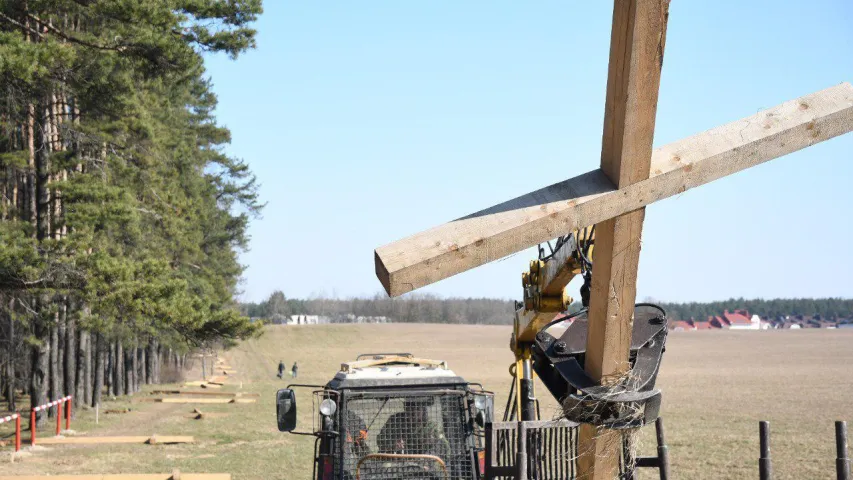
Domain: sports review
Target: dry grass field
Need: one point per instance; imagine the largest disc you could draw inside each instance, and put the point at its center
(717, 386)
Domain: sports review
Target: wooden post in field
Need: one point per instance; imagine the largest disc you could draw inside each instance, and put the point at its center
(636, 58)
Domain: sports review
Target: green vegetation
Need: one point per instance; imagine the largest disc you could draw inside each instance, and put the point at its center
(120, 215)
(421, 308)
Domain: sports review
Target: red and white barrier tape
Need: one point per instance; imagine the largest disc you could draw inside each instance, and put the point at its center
(51, 404)
(8, 418)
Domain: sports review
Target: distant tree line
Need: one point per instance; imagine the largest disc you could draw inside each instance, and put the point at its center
(827, 308)
(425, 308)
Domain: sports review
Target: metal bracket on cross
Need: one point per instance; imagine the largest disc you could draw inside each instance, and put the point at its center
(628, 401)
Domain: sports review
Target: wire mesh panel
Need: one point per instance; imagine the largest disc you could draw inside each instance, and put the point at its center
(424, 435)
(551, 449)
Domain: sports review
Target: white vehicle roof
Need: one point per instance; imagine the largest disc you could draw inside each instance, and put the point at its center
(394, 370)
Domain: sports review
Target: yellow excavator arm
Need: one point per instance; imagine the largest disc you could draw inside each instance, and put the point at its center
(545, 292)
(545, 297)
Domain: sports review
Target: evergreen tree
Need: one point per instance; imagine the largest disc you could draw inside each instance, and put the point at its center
(120, 215)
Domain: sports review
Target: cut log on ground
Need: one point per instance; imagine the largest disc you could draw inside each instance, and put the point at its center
(201, 392)
(117, 439)
(203, 400)
(545, 214)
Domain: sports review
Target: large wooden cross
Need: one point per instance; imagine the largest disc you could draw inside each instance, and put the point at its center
(613, 197)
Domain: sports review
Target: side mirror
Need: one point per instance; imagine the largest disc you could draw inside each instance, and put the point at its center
(485, 406)
(285, 409)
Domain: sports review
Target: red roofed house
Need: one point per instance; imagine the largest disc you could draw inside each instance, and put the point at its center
(717, 321)
(740, 320)
(702, 325)
(681, 326)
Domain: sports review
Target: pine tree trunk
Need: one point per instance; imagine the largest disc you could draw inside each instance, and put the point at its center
(39, 365)
(60, 345)
(70, 351)
(135, 358)
(31, 188)
(128, 371)
(55, 384)
(110, 366)
(89, 368)
(80, 367)
(98, 384)
(118, 371)
(143, 366)
(10, 365)
(151, 357)
(42, 159)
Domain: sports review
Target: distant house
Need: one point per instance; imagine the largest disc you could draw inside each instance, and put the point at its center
(306, 320)
(681, 326)
(717, 321)
(699, 325)
(846, 326)
(736, 320)
(741, 320)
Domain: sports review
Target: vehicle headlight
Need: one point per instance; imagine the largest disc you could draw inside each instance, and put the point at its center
(328, 407)
(480, 402)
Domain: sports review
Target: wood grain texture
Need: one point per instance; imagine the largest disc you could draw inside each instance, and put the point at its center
(633, 80)
(539, 216)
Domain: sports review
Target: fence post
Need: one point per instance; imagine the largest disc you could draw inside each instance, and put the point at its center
(33, 427)
(663, 450)
(18, 432)
(521, 452)
(59, 405)
(68, 413)
(842, 463)
(488, 454)
(765, 471)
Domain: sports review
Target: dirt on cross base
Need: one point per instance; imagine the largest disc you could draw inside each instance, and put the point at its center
(717, 385)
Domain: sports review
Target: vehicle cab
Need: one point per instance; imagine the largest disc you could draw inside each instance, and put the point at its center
(394, 416)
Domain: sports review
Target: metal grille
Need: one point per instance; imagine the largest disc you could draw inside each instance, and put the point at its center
(416, 436)
(552, 451)
(551, 448)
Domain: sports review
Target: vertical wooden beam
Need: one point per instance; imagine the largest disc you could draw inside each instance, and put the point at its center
(637, 44)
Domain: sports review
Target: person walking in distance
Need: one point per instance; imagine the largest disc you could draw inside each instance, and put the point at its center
(281, 368)
(293, 370)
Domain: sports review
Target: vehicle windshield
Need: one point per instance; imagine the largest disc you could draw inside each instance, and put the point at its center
(401, 437)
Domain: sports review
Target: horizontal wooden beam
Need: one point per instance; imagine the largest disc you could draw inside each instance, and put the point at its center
(523, 222)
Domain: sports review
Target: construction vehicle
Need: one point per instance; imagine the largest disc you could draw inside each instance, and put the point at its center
(394, 416)
(371, 396)
(550, 343)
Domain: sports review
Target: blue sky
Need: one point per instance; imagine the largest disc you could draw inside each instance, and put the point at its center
(370, 121)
